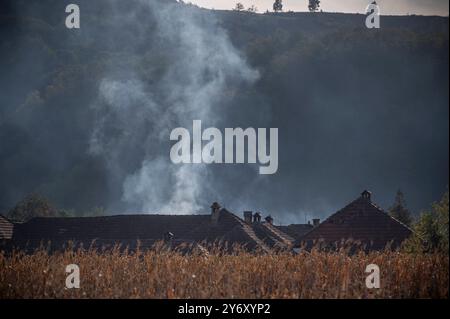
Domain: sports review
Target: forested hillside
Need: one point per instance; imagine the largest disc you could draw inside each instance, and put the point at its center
(84, 113)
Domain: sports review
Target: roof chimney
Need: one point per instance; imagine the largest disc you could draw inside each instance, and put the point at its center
(366, 195)
(168, 236)
(215, 212)
(257, 217)
(316, 222)
(248, 217)
(269, 219)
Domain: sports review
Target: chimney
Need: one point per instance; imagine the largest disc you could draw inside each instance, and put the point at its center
(215, 212)
(257, 217)
(366, 195)
(168, 237)
(269, 220)
(248, 217)
(316, 222)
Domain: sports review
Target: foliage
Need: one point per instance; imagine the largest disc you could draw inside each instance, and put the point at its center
(166, 274)
(278, 6)
(252, 9)
(431, 230)
(313, 5)
(96, 212)
(307, 64)
(31, 206)
(239, 7)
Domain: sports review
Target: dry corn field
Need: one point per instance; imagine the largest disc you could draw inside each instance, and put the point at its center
(162, 274)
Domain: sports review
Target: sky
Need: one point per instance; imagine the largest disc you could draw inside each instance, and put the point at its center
(388, 7)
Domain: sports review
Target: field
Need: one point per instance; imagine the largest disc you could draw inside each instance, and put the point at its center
(164, 274)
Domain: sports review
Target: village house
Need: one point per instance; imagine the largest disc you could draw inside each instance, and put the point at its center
(360, 223)
(219, 227)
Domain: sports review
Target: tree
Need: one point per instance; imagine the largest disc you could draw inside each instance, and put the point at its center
(442, 219)
(314, 5)
(399, 210)
(239, 7)
(31, 206)
(278, 6)
(252, 9)
(431, 231)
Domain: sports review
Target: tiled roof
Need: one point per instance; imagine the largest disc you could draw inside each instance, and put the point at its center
(6, 228)
(296, 231)
(361, 221)
(148, 229)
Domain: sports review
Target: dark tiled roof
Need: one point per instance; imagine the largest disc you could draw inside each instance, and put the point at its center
(6, 228)
(148, 229)
(361, 221)
(296, 231)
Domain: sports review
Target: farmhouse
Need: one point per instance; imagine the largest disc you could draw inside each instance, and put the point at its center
(359, 224)
(219, 227)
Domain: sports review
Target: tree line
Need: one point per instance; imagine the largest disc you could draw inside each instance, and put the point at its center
(313, 6)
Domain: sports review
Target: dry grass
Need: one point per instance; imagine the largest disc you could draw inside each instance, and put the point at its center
(162, 274)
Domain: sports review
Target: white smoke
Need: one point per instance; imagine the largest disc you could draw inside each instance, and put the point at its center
(131, 119)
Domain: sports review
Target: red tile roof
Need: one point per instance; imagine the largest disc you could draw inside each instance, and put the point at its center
(361, 221)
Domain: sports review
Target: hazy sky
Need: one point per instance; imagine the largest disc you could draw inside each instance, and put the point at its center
(397, 7)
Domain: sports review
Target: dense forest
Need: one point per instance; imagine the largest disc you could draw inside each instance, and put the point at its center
(85, 114)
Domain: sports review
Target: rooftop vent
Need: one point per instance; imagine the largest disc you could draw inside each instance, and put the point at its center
(257, 217)
(168, 236)
(366, 195)
(215, 212)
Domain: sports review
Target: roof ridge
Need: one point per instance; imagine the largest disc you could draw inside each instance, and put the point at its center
(248, 230)
(389, 215)
(283, 236)
(252, 234)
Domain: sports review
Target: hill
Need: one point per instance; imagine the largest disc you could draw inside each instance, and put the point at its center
(84, 115)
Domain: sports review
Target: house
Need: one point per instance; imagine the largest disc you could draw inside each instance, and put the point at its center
(220, 226)
(6, 228)
(361, 223)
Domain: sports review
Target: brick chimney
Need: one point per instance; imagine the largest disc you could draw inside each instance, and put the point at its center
(257, 217)
(248, 217)
(316, 222)
(215, 213)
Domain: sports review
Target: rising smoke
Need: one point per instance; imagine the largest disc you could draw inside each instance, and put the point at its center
(204, 65)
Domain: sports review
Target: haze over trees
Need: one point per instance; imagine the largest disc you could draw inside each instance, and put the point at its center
(34, 205)
(239, 7)
(399, 210)
(356, 108)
